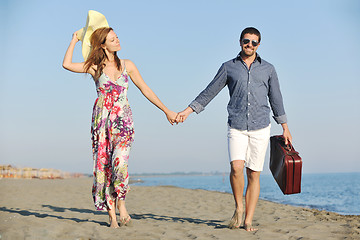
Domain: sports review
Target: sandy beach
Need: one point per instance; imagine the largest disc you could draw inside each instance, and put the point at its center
(63, 209)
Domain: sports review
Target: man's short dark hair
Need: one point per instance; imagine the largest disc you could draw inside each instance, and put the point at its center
(250, 30)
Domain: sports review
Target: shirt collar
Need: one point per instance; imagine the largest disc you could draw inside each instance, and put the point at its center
(257, 58)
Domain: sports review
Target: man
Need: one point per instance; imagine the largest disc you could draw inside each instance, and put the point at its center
(252, 82)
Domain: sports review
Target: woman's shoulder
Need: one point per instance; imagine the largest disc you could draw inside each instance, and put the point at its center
(127, 61)
(129, 64)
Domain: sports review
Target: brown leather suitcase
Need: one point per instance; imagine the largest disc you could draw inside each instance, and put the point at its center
(285, 165)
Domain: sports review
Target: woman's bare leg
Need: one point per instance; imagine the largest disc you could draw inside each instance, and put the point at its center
(125, 218)
(112, 216)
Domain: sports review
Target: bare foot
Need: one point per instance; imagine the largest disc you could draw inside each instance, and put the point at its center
(236, 219)
(113, 224)
(126, 221)
(250, 228)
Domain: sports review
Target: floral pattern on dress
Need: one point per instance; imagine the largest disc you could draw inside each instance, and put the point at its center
(112, 132)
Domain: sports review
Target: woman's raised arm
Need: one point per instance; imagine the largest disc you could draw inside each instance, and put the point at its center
(67, 62)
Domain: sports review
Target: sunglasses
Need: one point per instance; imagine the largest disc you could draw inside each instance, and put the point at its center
(253, 42)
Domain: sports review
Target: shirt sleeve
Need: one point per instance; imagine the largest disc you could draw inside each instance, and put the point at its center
(214, 87)
(275, 99)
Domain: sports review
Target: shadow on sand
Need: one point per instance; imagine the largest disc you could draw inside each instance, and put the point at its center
(210, 223)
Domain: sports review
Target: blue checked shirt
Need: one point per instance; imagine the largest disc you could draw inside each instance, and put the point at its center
(250, 91)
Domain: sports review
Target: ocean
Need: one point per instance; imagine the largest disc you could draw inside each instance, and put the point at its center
(334, 192)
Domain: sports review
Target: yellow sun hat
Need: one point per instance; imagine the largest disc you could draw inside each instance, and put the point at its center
(94, 21)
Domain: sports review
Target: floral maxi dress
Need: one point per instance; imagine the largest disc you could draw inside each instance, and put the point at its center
(112, 132)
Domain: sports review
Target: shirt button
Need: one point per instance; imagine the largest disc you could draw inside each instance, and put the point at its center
(249, 104)
(248, 92)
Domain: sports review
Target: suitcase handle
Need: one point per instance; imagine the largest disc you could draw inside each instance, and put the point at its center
(292, 153)
(289, 147)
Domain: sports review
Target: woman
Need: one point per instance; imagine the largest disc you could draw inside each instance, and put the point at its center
(112, 125)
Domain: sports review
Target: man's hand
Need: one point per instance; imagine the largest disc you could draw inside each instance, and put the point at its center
(182, 116)
(286, 133)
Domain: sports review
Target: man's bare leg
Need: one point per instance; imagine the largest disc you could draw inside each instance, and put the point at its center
(237, 185)
(251, 197)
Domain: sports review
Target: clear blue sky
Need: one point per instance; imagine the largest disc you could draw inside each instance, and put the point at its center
(178, 47)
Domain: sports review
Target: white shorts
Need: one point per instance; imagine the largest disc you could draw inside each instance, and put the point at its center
(249, 146)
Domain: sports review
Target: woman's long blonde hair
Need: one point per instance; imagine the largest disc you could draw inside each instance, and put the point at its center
(97, 54)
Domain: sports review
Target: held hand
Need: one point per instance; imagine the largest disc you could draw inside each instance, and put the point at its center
(171, 117)
(182, 116)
